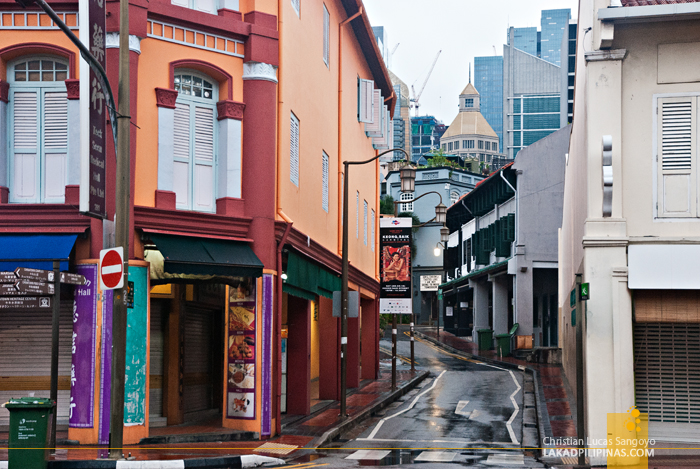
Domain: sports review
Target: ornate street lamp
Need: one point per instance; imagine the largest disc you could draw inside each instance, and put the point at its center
(444, 234)
(440, 213)
(408, 178)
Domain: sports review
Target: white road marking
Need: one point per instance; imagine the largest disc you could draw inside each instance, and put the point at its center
(474, 415)
(381, 422)
(444, 440)
(369, 454)
(509, 424)
(506, 459)
(436, 456)
(461, 405)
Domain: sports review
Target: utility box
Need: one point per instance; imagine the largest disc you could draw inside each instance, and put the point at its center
(30, 427)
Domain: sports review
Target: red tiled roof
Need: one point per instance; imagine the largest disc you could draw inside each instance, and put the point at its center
(641, 3)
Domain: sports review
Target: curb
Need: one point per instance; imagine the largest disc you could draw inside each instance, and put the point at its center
(539, 392)
(352, 421)
(233, 462)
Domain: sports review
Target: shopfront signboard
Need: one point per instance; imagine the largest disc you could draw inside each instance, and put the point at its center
(240, 372)
(430, 282)
(395, 265)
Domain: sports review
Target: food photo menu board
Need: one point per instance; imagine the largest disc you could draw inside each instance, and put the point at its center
(241, 350)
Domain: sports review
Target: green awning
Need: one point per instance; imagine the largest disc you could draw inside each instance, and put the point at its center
(185, 256)
(306, 280)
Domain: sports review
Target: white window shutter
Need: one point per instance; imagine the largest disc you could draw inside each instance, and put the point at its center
(374, 128)
(374, 221)
(382, 142)
(326, 34)
(366, 101)
(357, 215)
(25, 143)
(180, 3)
(294, 150)
(324, 180)
(55, 146)
(203, 159)
(181, 155)
(366, 209)
(296, 4)
(677, 157)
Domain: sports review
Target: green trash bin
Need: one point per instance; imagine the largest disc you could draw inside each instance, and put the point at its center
(485, 337)
(503, 344)
(30, 424)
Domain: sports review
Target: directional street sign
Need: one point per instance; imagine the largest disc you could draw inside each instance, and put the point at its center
(34, 274)
(112, 268)
(8, 277)
(39, 276)
(26, 287)
(26, 302)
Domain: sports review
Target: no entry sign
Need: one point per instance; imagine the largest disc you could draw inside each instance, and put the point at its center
(112, 268)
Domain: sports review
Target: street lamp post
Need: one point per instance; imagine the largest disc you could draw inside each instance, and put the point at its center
(408, 178)
(440, 217)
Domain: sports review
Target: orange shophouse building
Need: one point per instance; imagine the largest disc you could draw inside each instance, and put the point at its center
(242, 113)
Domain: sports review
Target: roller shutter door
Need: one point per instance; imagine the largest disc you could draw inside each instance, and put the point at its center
(156, 358)
(198, 387)
(667, 377)
(25, 357)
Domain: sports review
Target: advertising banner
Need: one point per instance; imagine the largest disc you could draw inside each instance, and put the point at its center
(82, 372)
(242, 324)
(395, 266)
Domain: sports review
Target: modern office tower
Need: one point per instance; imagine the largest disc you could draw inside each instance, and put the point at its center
(568, 70)
(425, 134)
(554, 25)
(382, 39)
(488, 79)
(526, 40)
(531, 98)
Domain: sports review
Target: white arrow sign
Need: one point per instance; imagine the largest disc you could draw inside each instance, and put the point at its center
(461, 405)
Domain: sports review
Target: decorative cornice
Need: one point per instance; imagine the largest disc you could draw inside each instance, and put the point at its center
(73, 88)
(603, 55)
(227, 109)
(42, 218)
(4, 91)
(590, 242)
(259, 71)
(112, 42)
(186, 223)
(166, 98)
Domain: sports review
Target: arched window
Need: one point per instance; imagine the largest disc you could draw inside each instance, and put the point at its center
(407, 196)
(194, 137)
(38, 130)
(454, 197)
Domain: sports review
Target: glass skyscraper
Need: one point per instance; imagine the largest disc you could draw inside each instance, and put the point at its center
(488, 80)
(553, 24)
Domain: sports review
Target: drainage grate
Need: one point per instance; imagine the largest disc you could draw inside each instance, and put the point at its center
(275, 448)
(572, 461)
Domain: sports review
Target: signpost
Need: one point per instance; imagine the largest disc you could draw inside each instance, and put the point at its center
(112, 268)
(584, 291)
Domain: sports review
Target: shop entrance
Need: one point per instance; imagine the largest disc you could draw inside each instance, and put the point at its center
(298, 356)
(203, 363)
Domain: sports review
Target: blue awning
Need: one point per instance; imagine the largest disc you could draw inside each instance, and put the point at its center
(35, 246)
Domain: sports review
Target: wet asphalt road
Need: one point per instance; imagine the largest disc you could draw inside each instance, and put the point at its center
(465, 414)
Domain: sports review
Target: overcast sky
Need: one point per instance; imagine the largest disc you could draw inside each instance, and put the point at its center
(462, 29)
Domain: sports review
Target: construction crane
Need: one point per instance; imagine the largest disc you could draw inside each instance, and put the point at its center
(416, 97)
(494, 51)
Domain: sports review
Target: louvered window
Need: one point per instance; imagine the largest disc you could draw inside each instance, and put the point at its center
(296, 4)
(326, 34)
(365, 101)
(324, 181)
(38, 140)
(374, 221)
(194, 143)
(294, 150)
(366, 209)
(677, 157)
(207, 6)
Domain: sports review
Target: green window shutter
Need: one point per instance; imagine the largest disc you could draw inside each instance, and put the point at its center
(511, 227)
